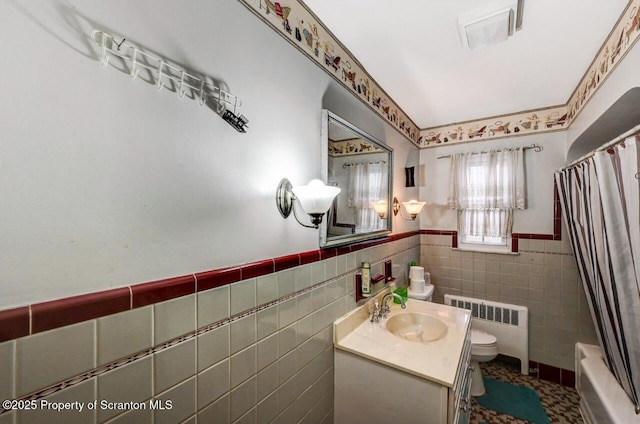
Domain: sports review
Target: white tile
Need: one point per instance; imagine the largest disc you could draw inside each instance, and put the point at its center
(243, 296)
(213, 346)
(267, 351)
(268, 409)
(213, 383)
(82, 393)
(287, 366)
(174, 318)
(182, 399)
(7, 352)
(243, 333)
(213, 306)
(266, 288)
(124, 334)
(129, 383)
(286, 282)
(287, 312)
(303, 277)
(243, 365)
(267, 381)
(134, 416)
(218, 411)
(243, 398)
(267, 322)
(70, 348)
(287, 395)
(8, 417)
(174, 364)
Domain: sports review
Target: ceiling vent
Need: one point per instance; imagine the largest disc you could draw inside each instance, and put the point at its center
(491, 24)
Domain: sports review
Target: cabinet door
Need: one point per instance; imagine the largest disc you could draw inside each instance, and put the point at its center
(464, 412)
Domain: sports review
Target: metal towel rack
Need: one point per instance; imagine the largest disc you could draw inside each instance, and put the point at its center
(225, 103)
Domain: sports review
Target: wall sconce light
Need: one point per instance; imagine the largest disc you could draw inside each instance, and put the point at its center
(315, 198)
(381, 208)
(413, 207)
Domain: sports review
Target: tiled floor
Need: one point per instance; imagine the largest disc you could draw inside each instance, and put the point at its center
(561, 403)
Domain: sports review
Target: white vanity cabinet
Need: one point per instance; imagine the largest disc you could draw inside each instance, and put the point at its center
(380, 379)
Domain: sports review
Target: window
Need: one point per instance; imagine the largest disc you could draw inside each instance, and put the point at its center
(485, 188)
(367, 184)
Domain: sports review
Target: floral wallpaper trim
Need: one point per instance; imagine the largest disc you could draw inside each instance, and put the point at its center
(624, 35)
(355, 146)
(303, 29)
(521, 123)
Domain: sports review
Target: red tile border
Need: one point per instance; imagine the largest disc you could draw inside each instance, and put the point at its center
(343, 250)
(309, 257)
(17, 322)
(286, 262)
(328, 253)
(257, 269)
(159, 291)
(14, 323)
(568, 378)
(549, 373)
(218, 277)
(58, 313)
(514, 244)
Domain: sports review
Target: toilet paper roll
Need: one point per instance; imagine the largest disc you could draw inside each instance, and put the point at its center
(416, 272)
(416, 286)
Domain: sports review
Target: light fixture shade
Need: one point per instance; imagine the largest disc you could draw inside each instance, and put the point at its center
(381, 207)
(315, 197)
(414, 207)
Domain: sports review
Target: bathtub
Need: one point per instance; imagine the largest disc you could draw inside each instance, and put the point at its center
(602, 400)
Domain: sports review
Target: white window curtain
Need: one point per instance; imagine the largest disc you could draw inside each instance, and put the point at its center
(367, 184)
(485, 188)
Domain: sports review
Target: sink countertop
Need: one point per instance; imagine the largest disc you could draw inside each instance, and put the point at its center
(436, 360)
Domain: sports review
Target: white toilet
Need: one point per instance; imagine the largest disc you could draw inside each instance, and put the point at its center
(425, 295)
(484, 348)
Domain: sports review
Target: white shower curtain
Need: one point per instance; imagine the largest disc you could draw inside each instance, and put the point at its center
(367, 184)
(600, 198)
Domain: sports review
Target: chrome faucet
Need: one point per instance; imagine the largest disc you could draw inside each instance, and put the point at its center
(384, 309)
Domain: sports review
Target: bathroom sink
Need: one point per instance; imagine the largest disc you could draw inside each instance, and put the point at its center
(416, 327)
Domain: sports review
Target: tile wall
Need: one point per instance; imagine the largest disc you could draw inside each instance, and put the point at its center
(542, 275)
(258, 350)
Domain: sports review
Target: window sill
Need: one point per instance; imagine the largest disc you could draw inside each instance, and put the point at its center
(499, 250)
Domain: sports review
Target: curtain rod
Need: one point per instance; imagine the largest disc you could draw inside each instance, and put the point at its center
(361, 163)
(618, 139)
(535, 147)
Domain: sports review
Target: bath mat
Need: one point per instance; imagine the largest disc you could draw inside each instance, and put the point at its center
(511, 399)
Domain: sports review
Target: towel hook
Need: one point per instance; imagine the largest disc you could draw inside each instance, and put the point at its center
(203, 99)
(134, 70)
(181, 92)
(104, 58)
(159, 83)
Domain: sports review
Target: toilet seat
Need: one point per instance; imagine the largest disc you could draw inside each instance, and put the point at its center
(480, 338)
(483, 344)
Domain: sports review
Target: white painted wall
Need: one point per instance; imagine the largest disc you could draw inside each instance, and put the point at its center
(539, 166)
(106, 181)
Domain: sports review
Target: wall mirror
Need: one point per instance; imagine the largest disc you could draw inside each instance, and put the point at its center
(362, 167)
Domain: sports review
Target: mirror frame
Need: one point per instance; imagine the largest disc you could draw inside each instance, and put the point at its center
(328, 118)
